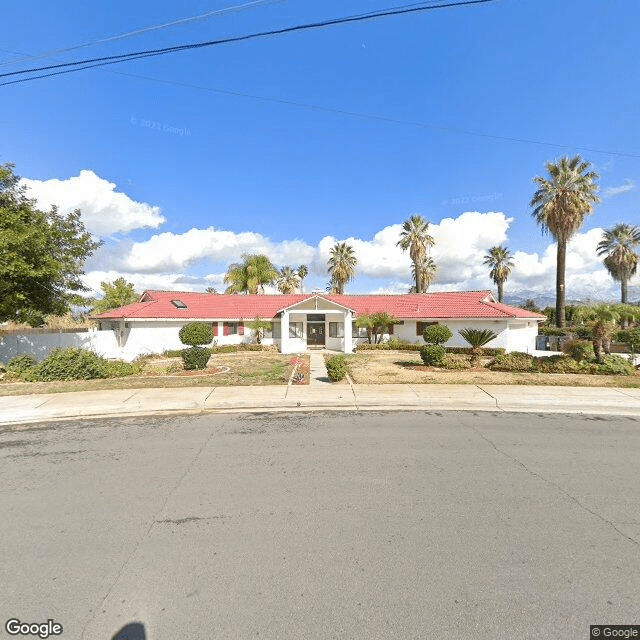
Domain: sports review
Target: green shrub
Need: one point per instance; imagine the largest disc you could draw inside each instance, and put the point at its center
(613, 365)
(120, 369)
(557, 364)
(436, 334)
(579, 350)
(336, 367)
(432, 354)
(71, 363)
(551, 331)
(454, 363)
(514, 361)
(196, 333)
(488, 351)
(21, 363)
(582, 333)
(195, 358)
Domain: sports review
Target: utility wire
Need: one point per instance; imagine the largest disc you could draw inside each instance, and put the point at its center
(135, 32)
(101, 61)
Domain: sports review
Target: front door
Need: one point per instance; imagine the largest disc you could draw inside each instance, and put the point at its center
(315, 334)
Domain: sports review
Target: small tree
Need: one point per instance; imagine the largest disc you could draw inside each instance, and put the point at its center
(436, 334)
(258, 325)
(116, 294)
(376, 324)
(477, 338)
(196, 334)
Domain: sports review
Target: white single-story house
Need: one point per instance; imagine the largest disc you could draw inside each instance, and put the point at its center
(311, 320)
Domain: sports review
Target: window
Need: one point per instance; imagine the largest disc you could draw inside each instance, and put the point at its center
(295, 329)
(276, 330)
(358, 332)
(230, 328)
(178, 304)
(421, 326)
(336, 329)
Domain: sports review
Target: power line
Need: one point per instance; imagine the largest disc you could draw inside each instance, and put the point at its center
(104, 60)
(135, 32)
(380, 118)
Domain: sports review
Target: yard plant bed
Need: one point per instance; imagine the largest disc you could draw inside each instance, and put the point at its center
(245, 368)
(384, 367)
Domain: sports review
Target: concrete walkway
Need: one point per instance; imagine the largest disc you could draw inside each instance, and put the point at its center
(318, 375)
(320, 397)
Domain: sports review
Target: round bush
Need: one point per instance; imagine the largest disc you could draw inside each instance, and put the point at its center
(579, 350)
(71, 363)
(21, 363)
(195, 358)
(436, 334)
(432, 354)
(196, 333)
(336, 367)
(454, 362)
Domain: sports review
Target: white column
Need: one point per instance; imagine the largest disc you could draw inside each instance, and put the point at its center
(284, 333)
(348, 342)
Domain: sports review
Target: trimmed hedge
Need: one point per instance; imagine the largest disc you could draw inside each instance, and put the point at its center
(195, 358)
(486, 351)
(196, 333)
(453, 362)
(336, 367)
(436, 334)
(385, 346)
(432, 354)
(514, 361)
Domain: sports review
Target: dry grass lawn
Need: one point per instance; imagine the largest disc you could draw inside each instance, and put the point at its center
(245, 368)
(382, 367)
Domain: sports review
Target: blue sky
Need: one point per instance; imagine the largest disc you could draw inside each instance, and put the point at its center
(285, 145)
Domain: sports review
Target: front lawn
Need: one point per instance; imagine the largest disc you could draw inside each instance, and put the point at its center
(242, 368)
(382, 367)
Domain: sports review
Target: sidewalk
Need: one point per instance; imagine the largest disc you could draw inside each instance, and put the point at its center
(342, 396)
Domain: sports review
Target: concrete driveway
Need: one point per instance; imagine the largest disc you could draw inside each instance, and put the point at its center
(327, 525)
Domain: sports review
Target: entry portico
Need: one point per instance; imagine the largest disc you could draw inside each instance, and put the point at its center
(316, 322)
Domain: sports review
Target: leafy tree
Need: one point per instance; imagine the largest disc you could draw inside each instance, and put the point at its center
(251, 275)
(376, 324)
(116, 294)
(620, 259)
(501, 262)
(42, 255)
(303, 272)
(436, 334)
(560, 204)
(477, 338)
(602, 319)
(258, 325)
(415, 237)
(288, 280)
(530, 305)
(211, 290)
(342, 266)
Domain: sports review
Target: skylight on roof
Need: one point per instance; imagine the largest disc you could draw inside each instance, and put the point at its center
(179, 304)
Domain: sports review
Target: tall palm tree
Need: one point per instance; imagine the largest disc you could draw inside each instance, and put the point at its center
(303, 272)
(415, 237)
(429, 269)
(560, 204)
(342, 266)
(501, 262)
(620, 260)
(250, 275)
(288, 280)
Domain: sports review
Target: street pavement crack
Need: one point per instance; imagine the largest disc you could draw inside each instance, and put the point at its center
(353, 391)
(491, 396)
(154, 521)
(556, 486)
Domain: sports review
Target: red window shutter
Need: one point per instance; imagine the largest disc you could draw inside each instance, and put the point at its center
(240, 328)
(225, 329)
(215, 328)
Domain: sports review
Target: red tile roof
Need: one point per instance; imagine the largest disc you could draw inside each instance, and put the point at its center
(211, 306)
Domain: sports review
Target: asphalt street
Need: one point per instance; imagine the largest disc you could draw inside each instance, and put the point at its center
(456, 525)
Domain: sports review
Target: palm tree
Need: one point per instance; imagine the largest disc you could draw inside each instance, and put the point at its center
(303, 272)
(621, 260)
(415, 237)
(288, 280)
(251, 275)
(429, 269)
(501, 263)
(342, 265)
(477, 338)
(560, 204)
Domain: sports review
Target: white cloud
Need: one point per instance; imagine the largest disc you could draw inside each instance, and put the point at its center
(104, 210)
(629, 185)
